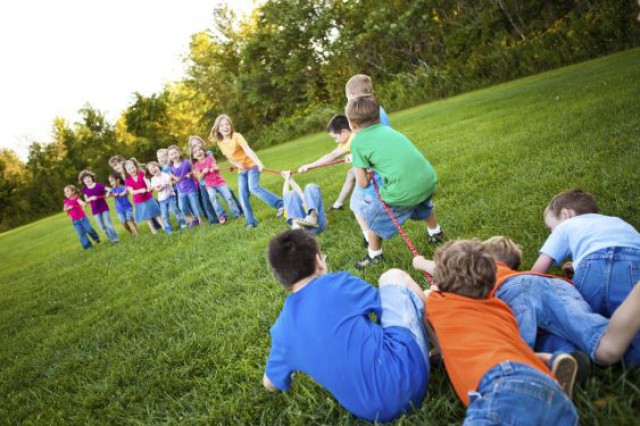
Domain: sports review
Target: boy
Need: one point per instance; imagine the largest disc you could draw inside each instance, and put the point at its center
(605, 249)
(553, 304)
(339, 130)
(376, 371)
(303, 209)
(407, 180)
(491, 368)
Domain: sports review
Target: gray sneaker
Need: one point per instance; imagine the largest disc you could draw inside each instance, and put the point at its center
(565, 368)
(436, 238)
(367, 261)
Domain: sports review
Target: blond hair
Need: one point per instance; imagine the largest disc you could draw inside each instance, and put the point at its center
(505, 250)
(152, 163)
(465, 268)
(198, 143)
(193, 139)
(359, 84)
(84, 174)
(139, 166)
(73, 188)
(363, 111)
(215, 134)
(116, 159)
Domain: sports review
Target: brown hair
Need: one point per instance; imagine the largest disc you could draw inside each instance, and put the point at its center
(73, 188)
(505, 250)
(153, 163)
(575, 199)
(85, 173)
(199, 143)
(465, 268)
(215, 134)
(363, 111)
(359, 84)
(136, 163)
(116, 159)
(292, 256)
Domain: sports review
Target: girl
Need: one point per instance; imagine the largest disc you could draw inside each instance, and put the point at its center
(237, 151)
(187, 186)
(139, 186)
(206, 168)
(162, 183)
(205, 203)
(94, 193)
(124, 209)
(73, 207)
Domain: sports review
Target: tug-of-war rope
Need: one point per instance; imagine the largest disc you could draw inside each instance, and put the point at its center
(401, 231)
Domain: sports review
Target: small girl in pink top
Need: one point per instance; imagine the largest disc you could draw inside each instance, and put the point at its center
(73, 205)
(138, 185)
(206, 167)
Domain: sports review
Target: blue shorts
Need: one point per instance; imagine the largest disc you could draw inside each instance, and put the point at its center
(378, 220)
(125, 215)
(401, 307)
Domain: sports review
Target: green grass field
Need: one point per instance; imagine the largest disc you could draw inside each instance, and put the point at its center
(174, 329)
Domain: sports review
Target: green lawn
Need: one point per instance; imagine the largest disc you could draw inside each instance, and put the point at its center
(174, 329)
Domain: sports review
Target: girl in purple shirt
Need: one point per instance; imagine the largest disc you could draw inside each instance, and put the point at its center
(187, 187)
(94, 193)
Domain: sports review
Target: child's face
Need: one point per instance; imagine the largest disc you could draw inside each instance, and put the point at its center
(131, 169)
(162, 157)
(551, 220)
(87, 180)
(153, 169)
(112, 181)
(69, 193)
(341, 137)
(198, 152)
(174, 155)
(119, 167)
(225, 127)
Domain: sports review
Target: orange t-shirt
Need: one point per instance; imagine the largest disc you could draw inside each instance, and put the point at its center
(504, 272)
(234, 150)
(475, 335)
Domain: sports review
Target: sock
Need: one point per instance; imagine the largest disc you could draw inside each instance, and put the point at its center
(435, 230)
(336, 205)
(374, 253)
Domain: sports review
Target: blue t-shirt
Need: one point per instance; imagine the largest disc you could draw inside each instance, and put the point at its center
(384, 118)
(584, 234)
(122, 203)
(324, 330)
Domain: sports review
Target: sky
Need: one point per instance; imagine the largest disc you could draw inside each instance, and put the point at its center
(59, 55)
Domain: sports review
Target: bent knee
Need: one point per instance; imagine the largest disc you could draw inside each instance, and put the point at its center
(394, 276)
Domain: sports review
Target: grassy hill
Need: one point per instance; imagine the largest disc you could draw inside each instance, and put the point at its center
(174, 329)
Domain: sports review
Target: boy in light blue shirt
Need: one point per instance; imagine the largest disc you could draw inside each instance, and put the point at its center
(605, 250)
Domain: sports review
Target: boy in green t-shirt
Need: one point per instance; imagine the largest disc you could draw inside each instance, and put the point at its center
(407, 179)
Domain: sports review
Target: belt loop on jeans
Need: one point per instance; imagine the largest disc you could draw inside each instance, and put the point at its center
(506, 367)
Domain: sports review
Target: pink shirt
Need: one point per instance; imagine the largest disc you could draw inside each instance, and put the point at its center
(213, 178)
(138, 183)
(76, 212)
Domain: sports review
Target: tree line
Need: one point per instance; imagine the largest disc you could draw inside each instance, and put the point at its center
(280, 73)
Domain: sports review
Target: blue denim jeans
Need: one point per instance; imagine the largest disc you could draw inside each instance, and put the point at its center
(606, 277)
(106, 226)
(515, 394)
(226, 195)
(169, 205)
(189, 204)
(249, 184)
(206, 206)
(313, 200)
(84, 230)
(555, 306)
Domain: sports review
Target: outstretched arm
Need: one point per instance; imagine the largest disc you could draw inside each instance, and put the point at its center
(543, 264)
(333, 155)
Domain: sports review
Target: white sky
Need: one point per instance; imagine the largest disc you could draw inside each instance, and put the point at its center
(57, 55)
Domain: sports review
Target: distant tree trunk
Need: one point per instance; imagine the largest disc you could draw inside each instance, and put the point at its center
(510, 18)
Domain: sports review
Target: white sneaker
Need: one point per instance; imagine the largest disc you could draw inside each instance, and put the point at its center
(307, 222)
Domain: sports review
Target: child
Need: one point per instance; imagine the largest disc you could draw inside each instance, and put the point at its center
(407, 180)
(362, 85)
(73, 207)
(491, 368)
(374, 370)
(205, 202)
(339, 130)
(124, 209)
(139, 186)
(187, 187)
(550, 303)
(605, 249)
(206, 170)
(162, 183)
(237, 151)
(94, 193)
(165, 166)
(303, 209)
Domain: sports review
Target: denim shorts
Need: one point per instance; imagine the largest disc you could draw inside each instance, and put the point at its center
(378, 220)
(401, 307)
(125, 215)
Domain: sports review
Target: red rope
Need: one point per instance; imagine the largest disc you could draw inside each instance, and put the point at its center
(274, 171)
(397, 224)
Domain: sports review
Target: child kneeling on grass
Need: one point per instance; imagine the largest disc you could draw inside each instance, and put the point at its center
(303, 209)
(491, 368)
(407, 180)
(375, 370)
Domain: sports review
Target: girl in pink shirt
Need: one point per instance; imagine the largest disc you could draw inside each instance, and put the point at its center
(205, 167)
(73, 205)
(138, 185)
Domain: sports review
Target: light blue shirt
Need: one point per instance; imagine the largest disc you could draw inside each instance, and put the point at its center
(582, 235)
(384, 118)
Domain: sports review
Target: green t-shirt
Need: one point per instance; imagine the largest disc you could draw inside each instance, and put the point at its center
(408, 177)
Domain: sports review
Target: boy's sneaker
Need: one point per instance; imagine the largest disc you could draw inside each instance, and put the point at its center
(251, 225)
(436, 238)
(334, 207)
(307, 222)
(280, 212)
(565, 368)
(367, 261)
(584, 367)
(222, 220)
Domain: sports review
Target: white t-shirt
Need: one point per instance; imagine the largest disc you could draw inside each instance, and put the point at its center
(163, 179)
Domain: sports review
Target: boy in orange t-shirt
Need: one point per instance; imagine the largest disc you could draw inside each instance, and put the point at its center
(491, 368)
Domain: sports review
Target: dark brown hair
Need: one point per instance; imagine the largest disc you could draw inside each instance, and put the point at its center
(292, 256)
(575, 199)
